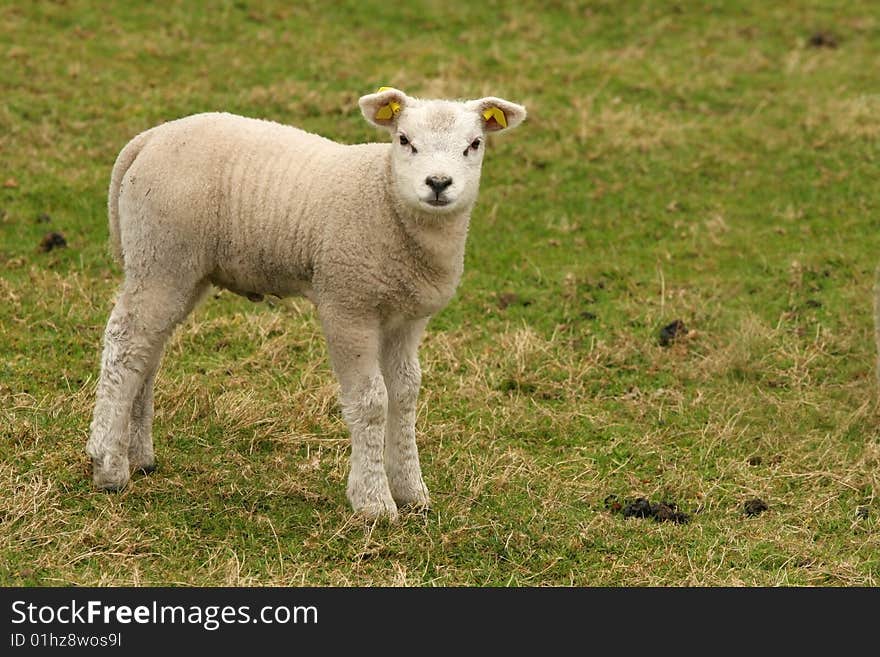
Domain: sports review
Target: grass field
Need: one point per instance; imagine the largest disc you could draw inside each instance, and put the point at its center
(709, 162)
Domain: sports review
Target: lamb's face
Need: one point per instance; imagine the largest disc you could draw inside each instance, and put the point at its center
(437, 145)
(436, 156)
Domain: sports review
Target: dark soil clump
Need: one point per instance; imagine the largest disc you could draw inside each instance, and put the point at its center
(613, 504)
(52, 241)
(506, 299)
(755, 507)
(643, 508)
(823, 39)
(671, 332)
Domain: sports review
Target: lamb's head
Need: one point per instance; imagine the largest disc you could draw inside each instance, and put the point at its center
(437, 145)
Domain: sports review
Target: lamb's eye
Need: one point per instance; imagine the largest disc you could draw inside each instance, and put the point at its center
(405, 142)
(474, 145)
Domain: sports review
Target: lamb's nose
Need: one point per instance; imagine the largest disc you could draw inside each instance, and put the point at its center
(438, 183)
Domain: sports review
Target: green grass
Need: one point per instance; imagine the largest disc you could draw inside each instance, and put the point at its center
(691, 160)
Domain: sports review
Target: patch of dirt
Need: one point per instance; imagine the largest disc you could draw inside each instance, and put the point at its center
(52, 241)
(757, 459)
(755, 507)
(613, 504)
(643, 508)
(516, 385)
(43, 218)
(823, 39)
(862, 513)
(671, 332)
(506, 299)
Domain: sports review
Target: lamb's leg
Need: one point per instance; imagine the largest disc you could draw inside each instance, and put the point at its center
(353, 344)
(140, 425)
(400, 366)
(143, 318)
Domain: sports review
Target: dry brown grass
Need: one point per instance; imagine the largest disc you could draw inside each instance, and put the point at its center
(850, 117)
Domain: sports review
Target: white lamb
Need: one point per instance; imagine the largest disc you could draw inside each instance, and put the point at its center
(373, 234)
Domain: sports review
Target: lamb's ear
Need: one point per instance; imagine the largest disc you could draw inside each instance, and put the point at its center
(498, 114)
(383, 107)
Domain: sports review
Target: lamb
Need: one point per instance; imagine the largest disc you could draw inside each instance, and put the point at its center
(373, 234)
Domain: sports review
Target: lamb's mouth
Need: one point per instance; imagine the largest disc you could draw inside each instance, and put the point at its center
(438, 202)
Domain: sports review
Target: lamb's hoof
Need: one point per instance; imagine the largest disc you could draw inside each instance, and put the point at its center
(111, 480)
(378, 512)
(414, 496)
(383, 508)
(147, 469)
(141, 457)
(421, 504)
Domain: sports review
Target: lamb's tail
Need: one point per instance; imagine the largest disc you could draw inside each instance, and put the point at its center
(124, 161)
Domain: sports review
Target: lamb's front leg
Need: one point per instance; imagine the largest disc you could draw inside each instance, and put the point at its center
(354, 353)
(403, 376)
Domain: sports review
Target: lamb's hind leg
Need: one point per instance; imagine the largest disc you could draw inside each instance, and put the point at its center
(400, 367)
(140, 425)
(143, 318)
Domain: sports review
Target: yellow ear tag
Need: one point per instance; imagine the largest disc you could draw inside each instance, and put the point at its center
(386, 112)
(495, 113)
